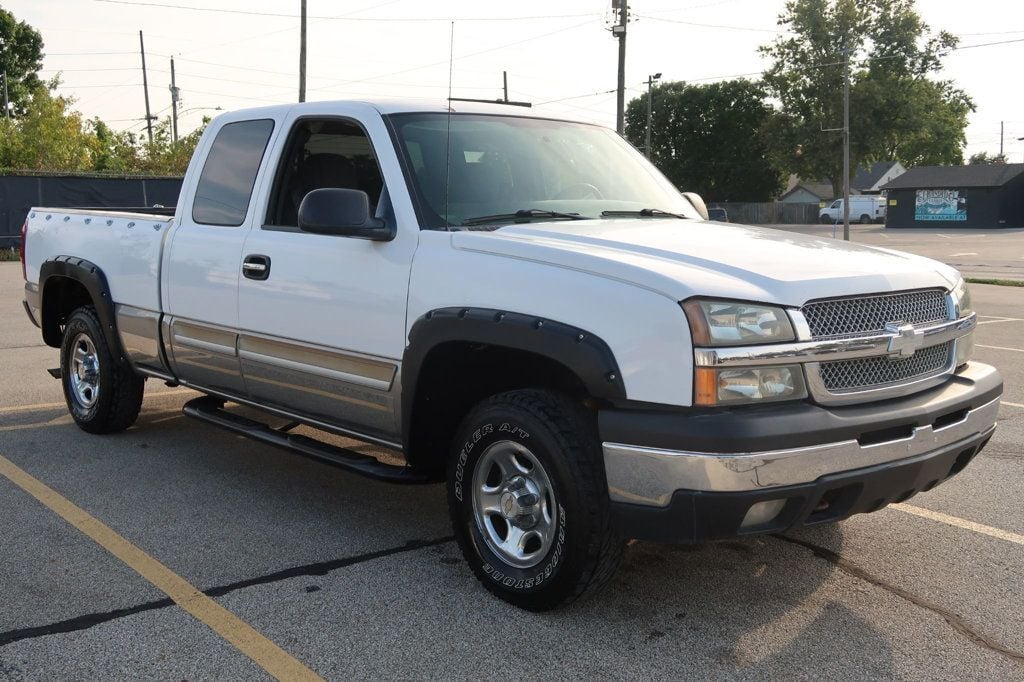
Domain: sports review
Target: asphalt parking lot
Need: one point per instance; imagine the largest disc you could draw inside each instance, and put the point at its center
(323, 571)
(985, 254)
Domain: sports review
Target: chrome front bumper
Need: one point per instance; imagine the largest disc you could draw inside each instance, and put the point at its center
(650, 476)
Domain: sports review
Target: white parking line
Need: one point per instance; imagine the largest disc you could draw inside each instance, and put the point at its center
(997, 320)
(967, 253)
(960, 523)
(1015, 350)
(1003, 402)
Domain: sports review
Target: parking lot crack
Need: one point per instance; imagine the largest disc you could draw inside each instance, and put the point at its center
(954, 620)
(320, 568)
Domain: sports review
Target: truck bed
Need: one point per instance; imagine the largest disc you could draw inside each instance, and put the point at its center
(126, 246)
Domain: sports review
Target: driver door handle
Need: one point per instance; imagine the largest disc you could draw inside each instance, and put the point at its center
(256, 267)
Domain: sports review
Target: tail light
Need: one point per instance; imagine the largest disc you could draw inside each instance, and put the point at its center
(24, 268)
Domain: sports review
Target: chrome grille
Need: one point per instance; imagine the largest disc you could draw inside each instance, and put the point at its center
(862, 315)
(848, 375)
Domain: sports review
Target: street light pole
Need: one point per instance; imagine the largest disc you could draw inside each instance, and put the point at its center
(650, 109)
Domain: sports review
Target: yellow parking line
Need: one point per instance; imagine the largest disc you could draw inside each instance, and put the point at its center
(960, 523)
(237, 632)
(49, 406)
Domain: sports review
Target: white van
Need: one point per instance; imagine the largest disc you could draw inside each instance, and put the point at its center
(863, 209)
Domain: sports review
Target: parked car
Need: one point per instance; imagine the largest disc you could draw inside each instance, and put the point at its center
(494, 295)
(865, 209)
(718, 214)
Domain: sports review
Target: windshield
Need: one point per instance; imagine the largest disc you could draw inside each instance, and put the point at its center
(499, 165)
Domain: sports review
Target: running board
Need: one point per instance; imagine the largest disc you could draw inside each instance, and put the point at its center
(211, 410)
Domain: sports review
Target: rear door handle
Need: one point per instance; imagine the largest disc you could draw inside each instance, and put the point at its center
(256, 267)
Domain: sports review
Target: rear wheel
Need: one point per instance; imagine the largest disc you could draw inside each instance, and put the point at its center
(102, 392)
(529, 500)
(865, 219)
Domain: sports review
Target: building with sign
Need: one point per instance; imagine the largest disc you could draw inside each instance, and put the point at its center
(981, 196)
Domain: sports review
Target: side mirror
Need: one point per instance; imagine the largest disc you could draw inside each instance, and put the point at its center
(342, 212)
(698, 204)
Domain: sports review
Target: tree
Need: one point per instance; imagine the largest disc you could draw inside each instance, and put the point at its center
(21, 58)
(984, 158)
(47, 136)
(710, 139)
(897, 112)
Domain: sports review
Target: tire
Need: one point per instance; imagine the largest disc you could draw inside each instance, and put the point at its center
(102, 392)
(865, 219)
(825, 220)
(570, 544)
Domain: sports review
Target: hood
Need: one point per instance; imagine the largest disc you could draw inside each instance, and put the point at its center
(684, 258)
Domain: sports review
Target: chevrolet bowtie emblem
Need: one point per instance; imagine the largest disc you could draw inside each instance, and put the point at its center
(906, 339)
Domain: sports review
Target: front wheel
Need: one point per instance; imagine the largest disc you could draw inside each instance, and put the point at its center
(528, 500)
(103, 394)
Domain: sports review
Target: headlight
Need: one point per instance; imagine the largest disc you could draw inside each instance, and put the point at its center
(728, 323)
(747, 385)
(962, 299)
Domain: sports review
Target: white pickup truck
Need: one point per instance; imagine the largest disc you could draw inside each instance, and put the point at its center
(526, 309)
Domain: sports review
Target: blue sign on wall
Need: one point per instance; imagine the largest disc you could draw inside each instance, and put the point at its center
(944, 205)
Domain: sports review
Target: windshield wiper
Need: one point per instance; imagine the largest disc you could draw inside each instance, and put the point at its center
(643, 213)
(522, 215)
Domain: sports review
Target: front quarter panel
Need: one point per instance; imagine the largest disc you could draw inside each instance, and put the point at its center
(646, 330)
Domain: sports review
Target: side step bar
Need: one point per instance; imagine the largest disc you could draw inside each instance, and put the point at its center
(210, 410)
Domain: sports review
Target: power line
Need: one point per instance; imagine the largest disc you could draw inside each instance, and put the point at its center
(463, 56)
(343, 18)
(701, 25)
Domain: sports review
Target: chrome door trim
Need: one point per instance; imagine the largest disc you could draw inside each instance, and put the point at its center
(204, 337)
(328, 363)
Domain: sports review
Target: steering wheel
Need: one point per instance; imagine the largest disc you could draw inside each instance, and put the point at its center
(592, 192)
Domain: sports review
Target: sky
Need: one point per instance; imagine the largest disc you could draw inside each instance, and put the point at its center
(558, 55)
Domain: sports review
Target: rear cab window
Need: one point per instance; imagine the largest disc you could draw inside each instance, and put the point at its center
(226, 183)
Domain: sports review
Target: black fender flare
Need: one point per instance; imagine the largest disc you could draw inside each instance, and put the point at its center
(583, 353)
(90, 276)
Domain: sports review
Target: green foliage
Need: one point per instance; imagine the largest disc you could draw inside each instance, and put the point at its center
(710, 139)
(897, 112)
(21, 58)
(46, 136)
(51, 136)
(984, 158)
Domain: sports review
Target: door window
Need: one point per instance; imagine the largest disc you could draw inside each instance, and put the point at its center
(225, 185)
(322, 153)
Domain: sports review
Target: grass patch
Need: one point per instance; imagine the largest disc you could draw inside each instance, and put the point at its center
(9, 256)
(997, 282)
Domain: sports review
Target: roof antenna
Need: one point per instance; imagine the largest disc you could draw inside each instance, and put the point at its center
(448, 144)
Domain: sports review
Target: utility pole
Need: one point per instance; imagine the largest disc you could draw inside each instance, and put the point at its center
(846, 143)
(619, 31)
(1002, 132)
(145, 90)
(504, 78)
(175, 97)
(7, 106)
(650, 110)
(302, 52)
